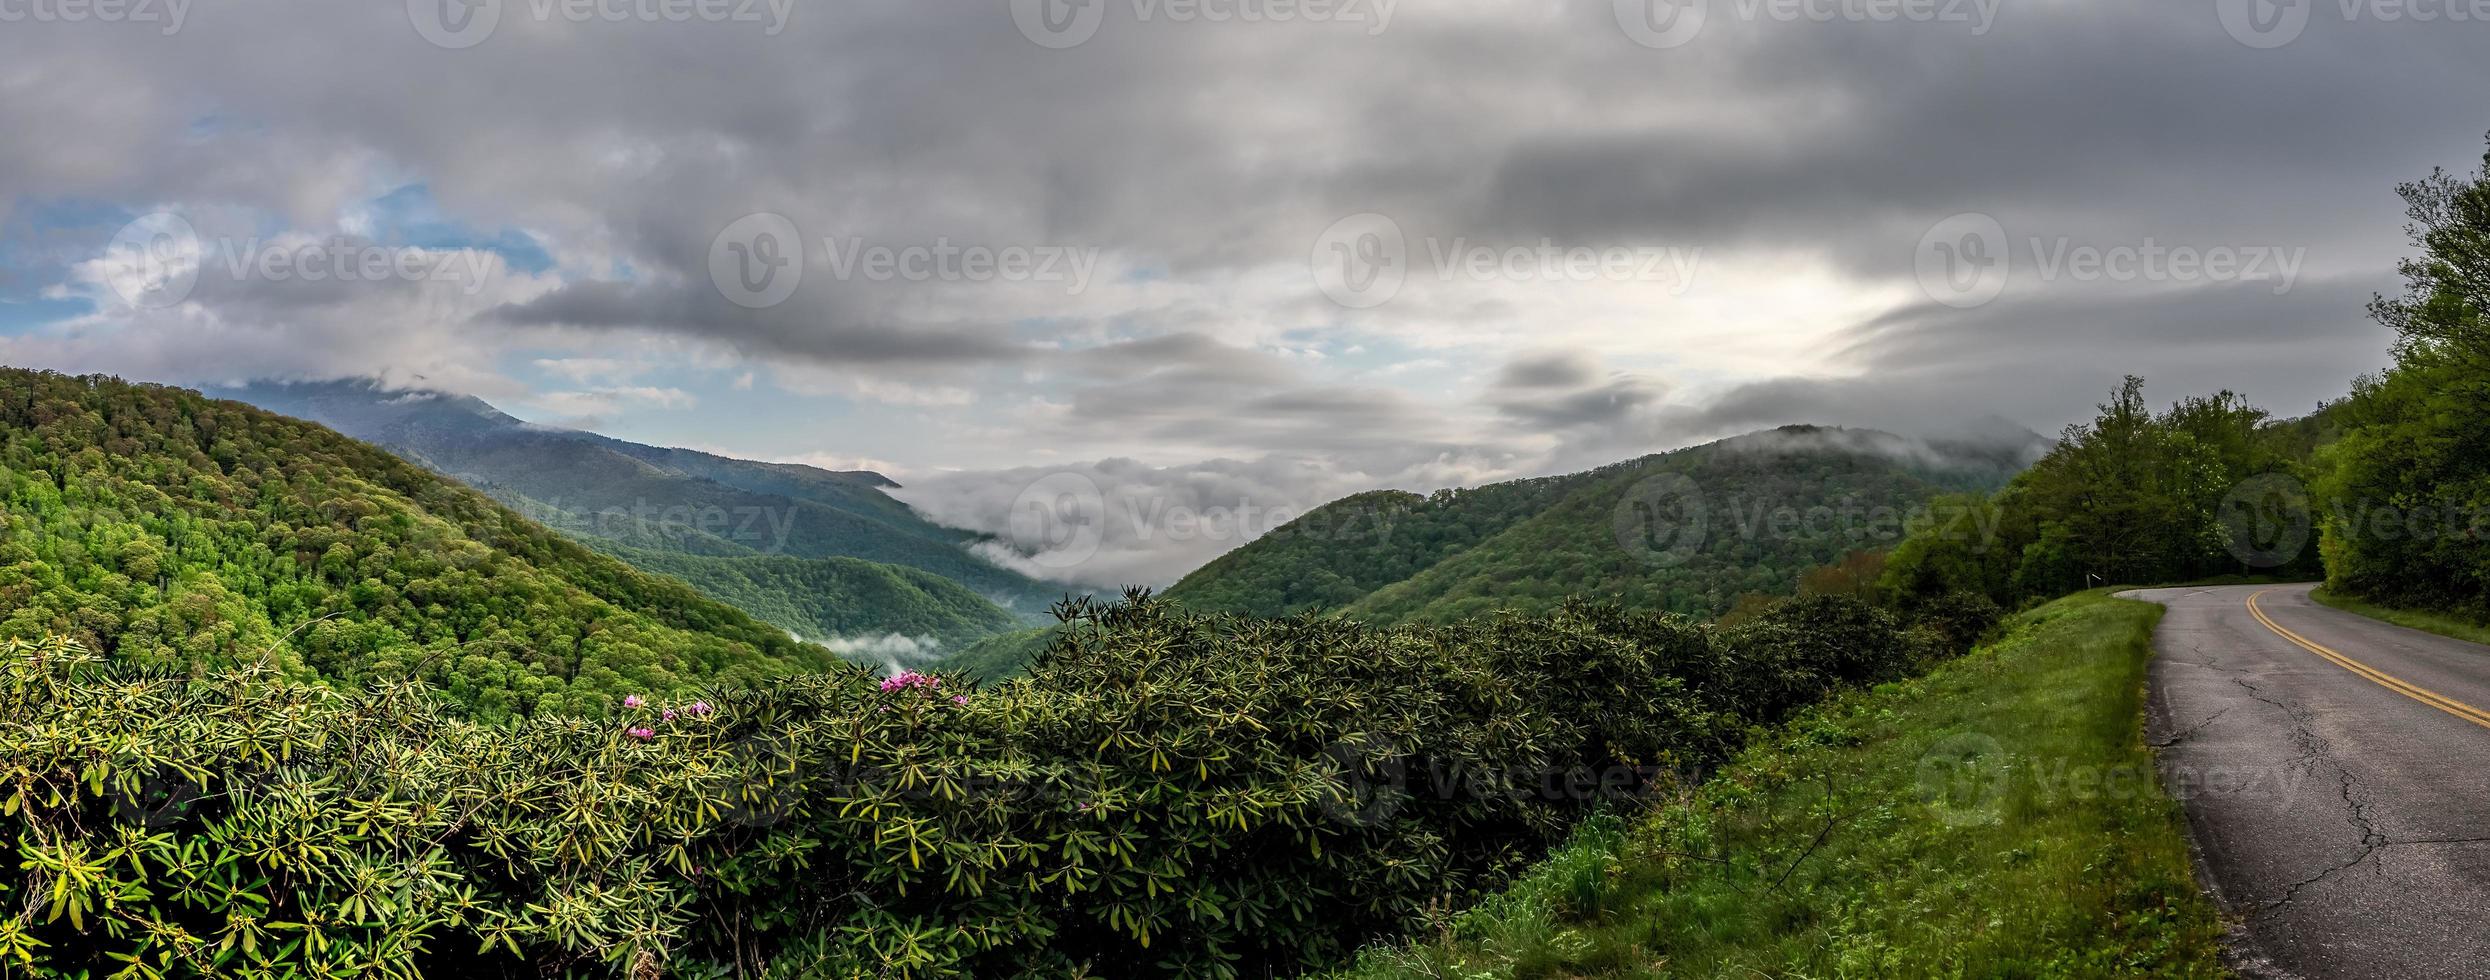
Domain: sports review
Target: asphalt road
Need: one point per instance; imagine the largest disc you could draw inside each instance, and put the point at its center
(2339, 796)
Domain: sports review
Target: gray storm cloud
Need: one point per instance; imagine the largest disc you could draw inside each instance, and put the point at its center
(1199, 163)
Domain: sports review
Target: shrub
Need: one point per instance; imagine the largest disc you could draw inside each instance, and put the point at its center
(1960, 618)
(1789, 656)
(1165, 794)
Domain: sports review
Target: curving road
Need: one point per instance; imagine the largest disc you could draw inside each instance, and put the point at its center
(2336, 772)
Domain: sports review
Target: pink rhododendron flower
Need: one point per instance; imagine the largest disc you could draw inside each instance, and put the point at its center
(643, 733)
(633, 701)
(667, 715)
(699, 708)
(907, 679)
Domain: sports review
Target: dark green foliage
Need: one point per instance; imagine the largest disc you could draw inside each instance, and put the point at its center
(1960, 619)
(1758, 510)
(825, 597)
(169, 530)
(1788, 657)
(1164, 795)
(2409, 485)
(2208, 488)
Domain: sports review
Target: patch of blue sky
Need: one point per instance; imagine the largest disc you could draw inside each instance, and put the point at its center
(410, 216)
(22, 316)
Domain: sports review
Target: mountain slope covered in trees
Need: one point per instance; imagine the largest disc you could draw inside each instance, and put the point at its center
(833, 597)
(649, 497)
(170, 530)
(1687, 531)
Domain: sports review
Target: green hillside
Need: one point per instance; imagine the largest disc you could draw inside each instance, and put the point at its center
(1000, 657)
(170, 530)
(824, 597)
(1687, 531)
(1336, 554)
(651, 497)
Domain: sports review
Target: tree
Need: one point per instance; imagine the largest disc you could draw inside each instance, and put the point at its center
(2410, 480)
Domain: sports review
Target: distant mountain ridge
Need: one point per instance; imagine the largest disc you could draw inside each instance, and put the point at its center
(1686, 531)
(638, 501)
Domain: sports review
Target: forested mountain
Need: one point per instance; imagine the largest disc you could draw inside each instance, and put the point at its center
(1336, 554)
(1000, 657)
(651, 498)
(171, 530)
(1687, 531)
(832, 597)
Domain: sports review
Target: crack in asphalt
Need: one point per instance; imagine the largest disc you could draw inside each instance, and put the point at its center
(2370, 841)
(2176, 737)
(2287, 873)
(2314, 750)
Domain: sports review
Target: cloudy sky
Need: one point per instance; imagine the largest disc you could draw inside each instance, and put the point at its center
(1278, 249)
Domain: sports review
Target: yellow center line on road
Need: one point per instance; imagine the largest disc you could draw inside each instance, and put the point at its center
(2383, 679)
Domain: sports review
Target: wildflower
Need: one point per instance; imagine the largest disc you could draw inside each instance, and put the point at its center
(633, 701)
(643, 733)
(699, 708)
(667, 715)
(907, 679)
(959, 699)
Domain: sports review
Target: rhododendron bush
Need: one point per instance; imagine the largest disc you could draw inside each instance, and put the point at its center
(1165, 794)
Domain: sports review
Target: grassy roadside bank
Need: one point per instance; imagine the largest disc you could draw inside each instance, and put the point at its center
(2443, 624)
(1999, 816)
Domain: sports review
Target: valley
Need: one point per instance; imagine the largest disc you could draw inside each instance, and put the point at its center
(1071, 490)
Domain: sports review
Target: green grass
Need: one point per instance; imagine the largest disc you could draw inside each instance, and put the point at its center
(1997, 817)
(2442, 623)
